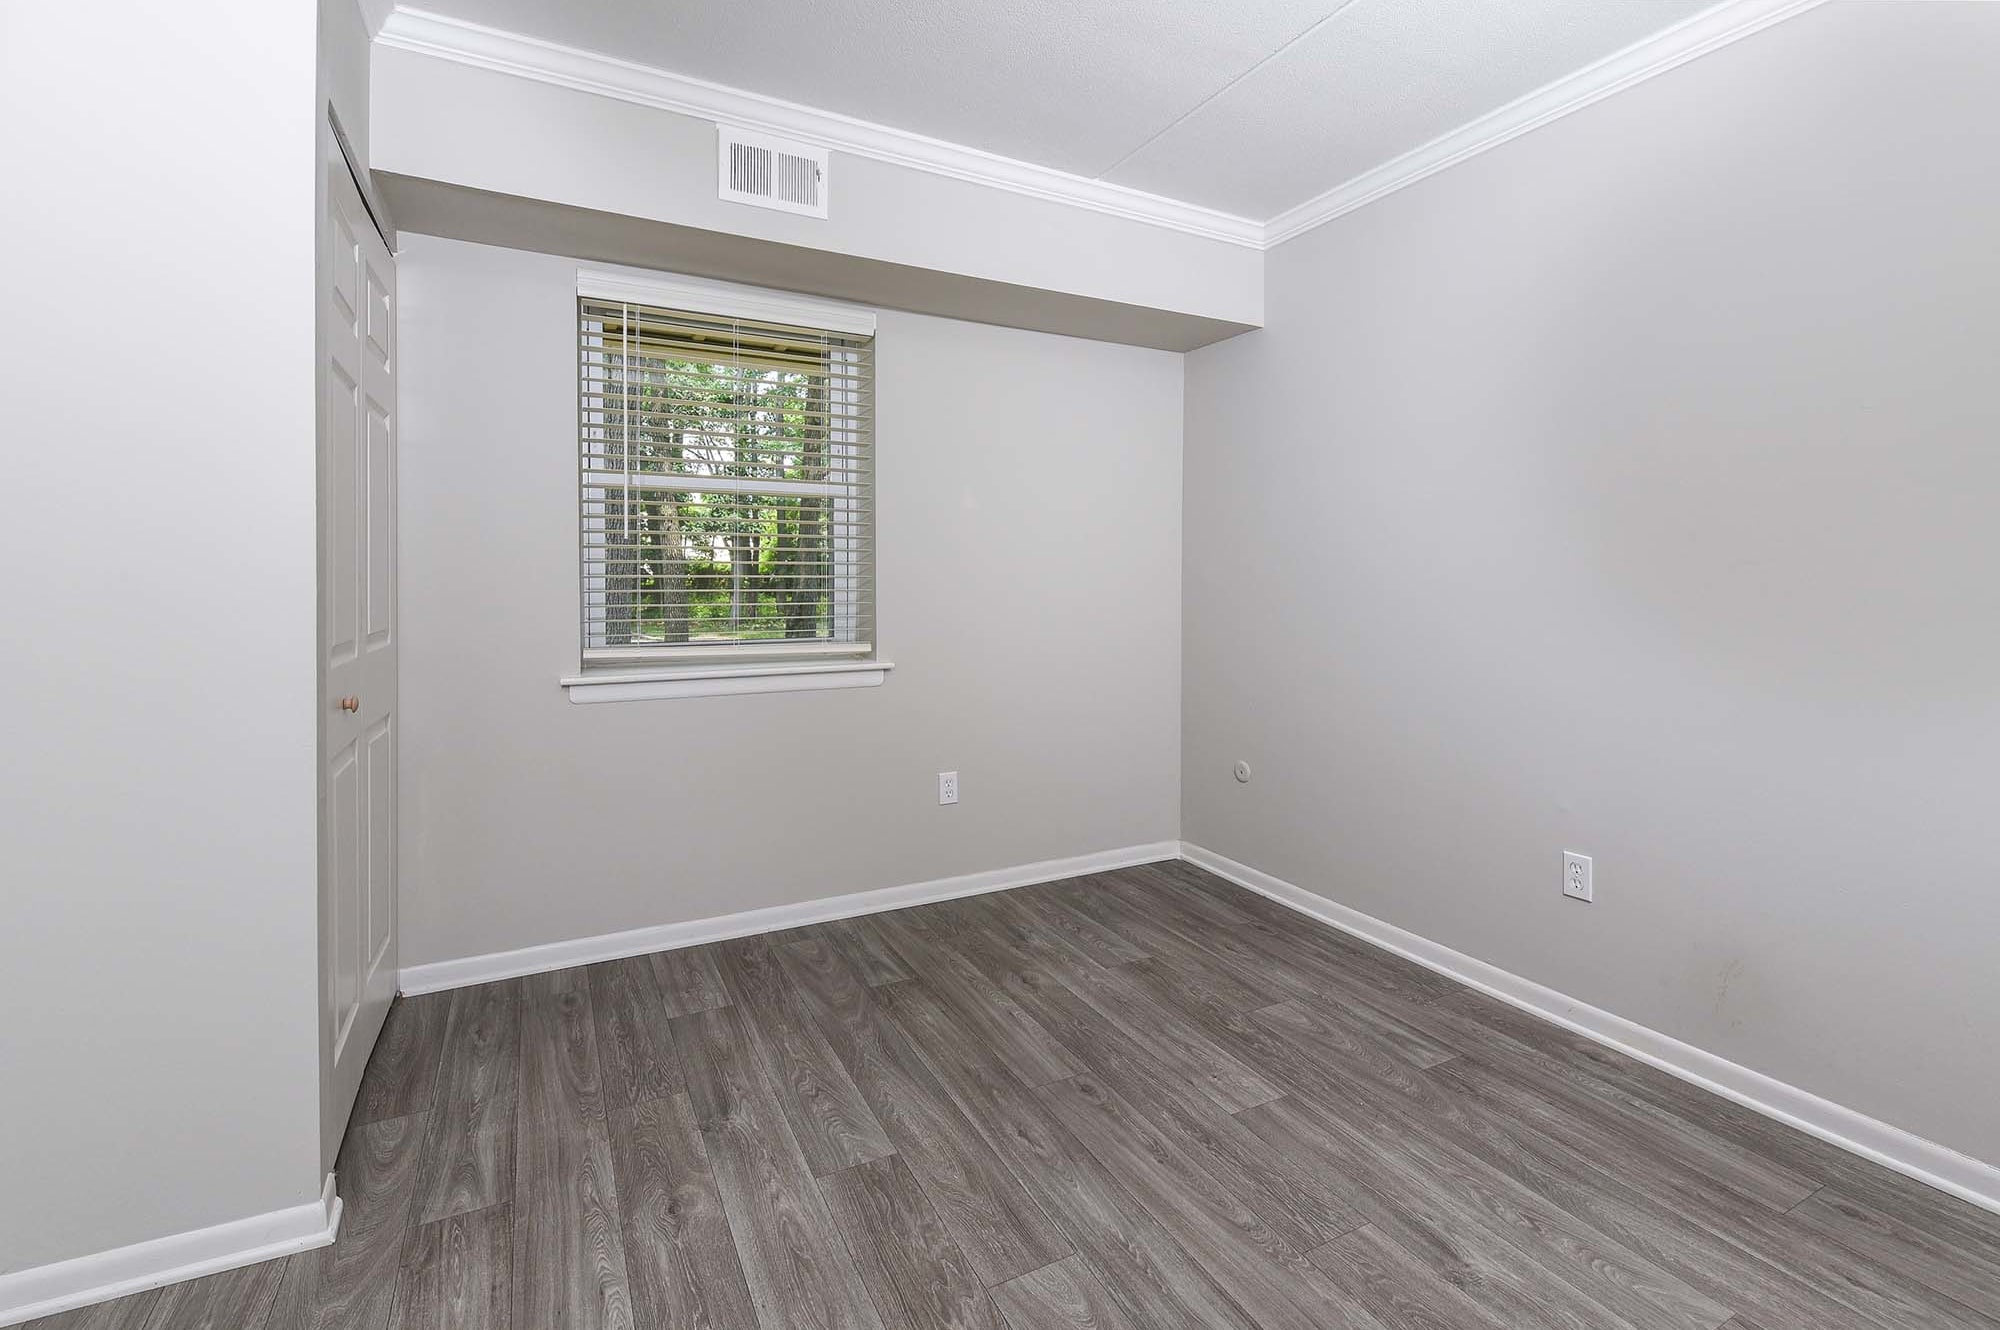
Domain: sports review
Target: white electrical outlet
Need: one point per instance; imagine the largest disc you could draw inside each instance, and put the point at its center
(1576, 876)
(947, 787)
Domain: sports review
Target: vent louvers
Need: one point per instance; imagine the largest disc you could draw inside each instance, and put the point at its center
(770, 173)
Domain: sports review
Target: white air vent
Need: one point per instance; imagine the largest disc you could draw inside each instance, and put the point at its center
(770, 173)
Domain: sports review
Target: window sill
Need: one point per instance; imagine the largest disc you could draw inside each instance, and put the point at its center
(724, 680)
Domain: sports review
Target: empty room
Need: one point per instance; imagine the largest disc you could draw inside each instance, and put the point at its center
(1118, 665)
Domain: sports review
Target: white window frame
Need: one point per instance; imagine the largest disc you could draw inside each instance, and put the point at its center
(780, 667)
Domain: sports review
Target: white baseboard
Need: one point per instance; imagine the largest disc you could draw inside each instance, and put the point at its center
(1928, 1162)
(46, 1290)
(666, 937)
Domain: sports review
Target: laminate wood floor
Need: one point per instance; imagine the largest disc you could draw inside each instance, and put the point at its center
(1135, 1100)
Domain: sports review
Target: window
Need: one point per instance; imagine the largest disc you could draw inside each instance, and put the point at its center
(726, 479)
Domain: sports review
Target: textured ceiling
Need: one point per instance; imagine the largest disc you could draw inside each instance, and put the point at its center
(1249, 106)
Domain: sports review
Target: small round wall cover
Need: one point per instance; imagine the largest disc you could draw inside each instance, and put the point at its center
(1243, 771)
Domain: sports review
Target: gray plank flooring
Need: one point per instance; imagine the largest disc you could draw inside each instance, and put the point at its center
(1138, 1099)
(678, 1248)
(569, 1258)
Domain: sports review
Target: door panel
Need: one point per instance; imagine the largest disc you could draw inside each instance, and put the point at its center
(381, 785)
(381, 526)
(357, 505)
(343, 611)
(343, 811)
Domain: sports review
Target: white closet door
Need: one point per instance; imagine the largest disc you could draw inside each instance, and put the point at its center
(358, 636)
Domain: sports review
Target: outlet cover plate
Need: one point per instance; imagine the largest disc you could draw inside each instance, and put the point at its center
(1576, 876)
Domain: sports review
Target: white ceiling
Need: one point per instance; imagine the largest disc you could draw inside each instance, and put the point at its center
(1247, 106)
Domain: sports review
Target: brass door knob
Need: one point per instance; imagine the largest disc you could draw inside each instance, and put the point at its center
(350, 704)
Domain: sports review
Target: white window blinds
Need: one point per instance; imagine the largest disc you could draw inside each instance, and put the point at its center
(727, 486)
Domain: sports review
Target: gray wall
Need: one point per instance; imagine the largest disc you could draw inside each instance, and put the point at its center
(1029, 493)
(157, 919)
(1632, 489)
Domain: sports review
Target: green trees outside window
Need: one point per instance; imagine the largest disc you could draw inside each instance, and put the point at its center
(686, 564)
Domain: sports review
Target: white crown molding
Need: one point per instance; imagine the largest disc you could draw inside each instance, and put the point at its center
(1707, 31)
(667, 937)
(375, 13)
(586, 71)
(1928, 1162)
(46, 1290)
